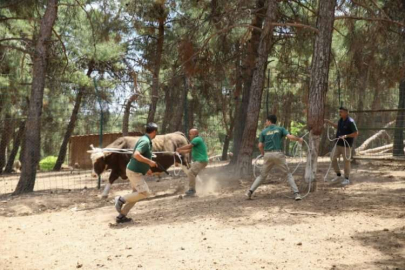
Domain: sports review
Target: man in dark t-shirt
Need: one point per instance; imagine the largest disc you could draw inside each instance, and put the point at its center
(346, 132)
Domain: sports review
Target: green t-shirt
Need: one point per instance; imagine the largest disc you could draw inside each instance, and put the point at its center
(143, 146)
(199, 151)
(272, 137)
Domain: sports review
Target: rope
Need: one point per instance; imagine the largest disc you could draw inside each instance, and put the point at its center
(336, 140)
(297, 147)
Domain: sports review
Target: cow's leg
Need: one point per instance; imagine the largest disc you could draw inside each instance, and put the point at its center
(111, 180)
(106, 190)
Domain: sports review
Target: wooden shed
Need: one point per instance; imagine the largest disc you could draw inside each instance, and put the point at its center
(80, 144)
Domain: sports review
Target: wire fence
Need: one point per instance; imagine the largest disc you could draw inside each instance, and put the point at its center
(76, 171)
(381, 134)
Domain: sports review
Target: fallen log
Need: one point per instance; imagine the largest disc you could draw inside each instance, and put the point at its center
(376, 136)
(379, 149)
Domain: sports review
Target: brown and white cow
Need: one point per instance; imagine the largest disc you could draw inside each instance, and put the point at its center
(164, 147)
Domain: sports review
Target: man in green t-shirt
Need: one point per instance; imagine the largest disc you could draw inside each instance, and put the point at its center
(199, 155)
(270, 146)
(138, 166)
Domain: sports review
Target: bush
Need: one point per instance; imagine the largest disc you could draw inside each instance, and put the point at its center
(47, 163)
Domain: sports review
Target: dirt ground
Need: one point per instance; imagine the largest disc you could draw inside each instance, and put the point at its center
(359, 227)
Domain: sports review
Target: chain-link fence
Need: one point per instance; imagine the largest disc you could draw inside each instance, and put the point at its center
(381, 134)
(76, 170)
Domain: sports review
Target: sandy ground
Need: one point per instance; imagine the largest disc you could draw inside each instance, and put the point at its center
(359, 227)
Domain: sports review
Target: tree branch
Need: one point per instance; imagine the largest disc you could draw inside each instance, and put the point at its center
(19, 39)
(63, 48)
(17, 18)
(369, 19)
(299, 25)
(380, 9)
(305, 7)
(15, 48)
(91, 24)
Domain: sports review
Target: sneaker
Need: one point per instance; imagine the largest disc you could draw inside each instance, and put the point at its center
(119, 202)
(336, 178)
(297, 197)
(122, 219)
(346, 182)
(249, 194)
(190, 192)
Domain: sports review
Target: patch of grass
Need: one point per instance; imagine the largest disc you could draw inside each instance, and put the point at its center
(47, 163)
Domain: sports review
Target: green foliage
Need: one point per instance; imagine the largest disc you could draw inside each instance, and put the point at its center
(47, 163)
(297, 128)
(204, 42)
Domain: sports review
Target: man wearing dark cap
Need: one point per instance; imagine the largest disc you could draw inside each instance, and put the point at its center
(138, 166)
(346, 132)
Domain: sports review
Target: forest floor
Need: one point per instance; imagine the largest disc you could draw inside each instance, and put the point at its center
(358, 227)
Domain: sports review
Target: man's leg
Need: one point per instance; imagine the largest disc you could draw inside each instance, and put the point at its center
(335, 164)
(267, 165)
(282, 164)
(347, 165)
(141, 191)
(195, 169)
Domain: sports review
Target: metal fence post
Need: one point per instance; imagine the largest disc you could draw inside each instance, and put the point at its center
(101, 126)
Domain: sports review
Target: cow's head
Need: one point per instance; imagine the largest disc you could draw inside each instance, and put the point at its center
(98, 160)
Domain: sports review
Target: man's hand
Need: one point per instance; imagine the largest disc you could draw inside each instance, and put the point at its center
(152, 163)
(149, 172)
(300, 140)
(328, 121)
(343, 137)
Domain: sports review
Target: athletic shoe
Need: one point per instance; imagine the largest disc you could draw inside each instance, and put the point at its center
(297, 197)
(336, 178)
(346, 182)
(190, 193)
(249, 194)
(122, 219)
(119, 202)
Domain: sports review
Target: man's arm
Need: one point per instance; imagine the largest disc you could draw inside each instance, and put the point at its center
(185, 149)
(354, 130)
(138, 156)
(261, 148)
(331, 123)
(352, 135)
(294, 138)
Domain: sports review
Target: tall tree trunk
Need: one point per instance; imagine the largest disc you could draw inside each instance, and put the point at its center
(248, 68)
(168, 111)
(236, 107)
(134, 97)
(190, 114)
(72, 123)
(225, 148)
(32, 136)
(16, 145)
(6, 135)
(127, 111)
(400, 123)
(185, 105)
(244, 160)
(318, 85)
(156, 71)
(176, 116)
